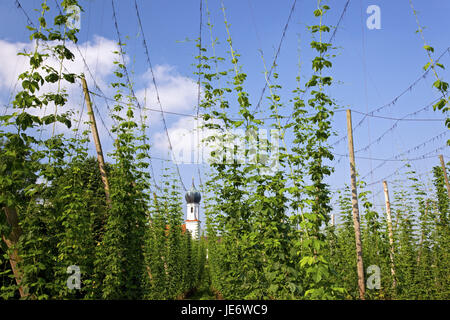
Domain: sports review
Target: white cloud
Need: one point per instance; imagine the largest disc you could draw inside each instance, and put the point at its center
(98, 55)
(183, 138)
(190, 141)
(192, 145)
(176, 92)
(12, 64)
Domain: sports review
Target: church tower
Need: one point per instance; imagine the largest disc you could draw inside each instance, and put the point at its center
(193, 198)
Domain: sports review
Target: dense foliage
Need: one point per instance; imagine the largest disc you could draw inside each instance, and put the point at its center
(55, 213)
(268, 233)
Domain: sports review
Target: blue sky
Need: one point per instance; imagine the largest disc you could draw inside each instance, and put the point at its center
(372, 67)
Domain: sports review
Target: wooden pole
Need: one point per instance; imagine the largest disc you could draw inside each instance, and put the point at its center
(11, 242)
(391, 234)
(421, 234)
(98, 146)
(359, 258)
(444, 169)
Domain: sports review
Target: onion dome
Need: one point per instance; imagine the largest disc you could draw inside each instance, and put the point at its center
(193, 195)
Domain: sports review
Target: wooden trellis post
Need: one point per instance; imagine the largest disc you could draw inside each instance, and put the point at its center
(11, 242)
(444, 169)
(359, 258)
(98, 146)
(391, 235)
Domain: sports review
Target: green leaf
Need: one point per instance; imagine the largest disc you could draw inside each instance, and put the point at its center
(318, 12)
(428, 48)
(70, 77)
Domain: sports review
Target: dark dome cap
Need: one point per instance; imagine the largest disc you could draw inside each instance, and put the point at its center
(193, 196)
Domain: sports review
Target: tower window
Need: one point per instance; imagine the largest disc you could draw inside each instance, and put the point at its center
(192, 209)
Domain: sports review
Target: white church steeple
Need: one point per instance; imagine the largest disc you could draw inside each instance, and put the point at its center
(193, 198)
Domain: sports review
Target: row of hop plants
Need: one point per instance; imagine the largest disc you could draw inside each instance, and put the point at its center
(265, 230)
(173, 259)
(419, 267)
(269, 235)
(54, 210)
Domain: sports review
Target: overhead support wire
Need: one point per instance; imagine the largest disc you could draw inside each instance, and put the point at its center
(199, 89)
(154, 84)
(187, 114)
(339, 21)
(394, 100)
(19, 6)
(388, 159)
(276, 54)
(122, 55)
(395, 125)
(132, 89)
(398, 182)
(417, 147)
(330, 41)
(403, 118)
(364, 67)
(93, 80)
(86, 65)
(409, 88)
(406, 164)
